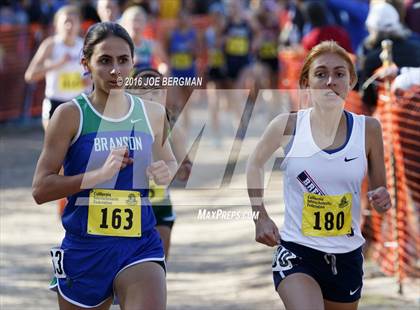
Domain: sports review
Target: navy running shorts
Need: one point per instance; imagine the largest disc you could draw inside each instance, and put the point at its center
(340, 276)
(86, 268)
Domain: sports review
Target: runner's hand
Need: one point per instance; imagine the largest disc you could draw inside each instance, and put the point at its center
(159, 172)
(117, 159)
(380, 199)
(266, 231)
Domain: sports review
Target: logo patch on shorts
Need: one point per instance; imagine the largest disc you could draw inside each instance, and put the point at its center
(354, 292)
(283, 259)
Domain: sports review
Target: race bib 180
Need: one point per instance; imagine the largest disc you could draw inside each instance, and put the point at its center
(326, 216)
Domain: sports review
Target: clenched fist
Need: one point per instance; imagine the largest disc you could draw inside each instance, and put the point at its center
(159, 172)
(380, 199)
(266, 231)
(117, 159)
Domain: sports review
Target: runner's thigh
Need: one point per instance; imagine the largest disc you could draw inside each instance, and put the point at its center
(300, 291)
(142, 286)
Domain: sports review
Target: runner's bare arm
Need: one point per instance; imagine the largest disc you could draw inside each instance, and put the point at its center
(177, 138)
(160, 53)
(375, 153)
(276, 135)
(47, 184)
(378, 195)
(39, 65)
(161, 147)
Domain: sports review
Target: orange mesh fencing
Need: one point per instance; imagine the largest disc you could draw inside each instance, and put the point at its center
(395, 235)
(35, 93)
(407, 120)
(355, 104)
(291, 62)
(14, 57)
(17, 44)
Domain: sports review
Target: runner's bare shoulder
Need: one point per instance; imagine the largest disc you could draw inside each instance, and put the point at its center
(65, 120)
(373, 133)
(284, 126)
(156, 114)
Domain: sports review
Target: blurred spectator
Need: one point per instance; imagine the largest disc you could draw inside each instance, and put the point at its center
(13, 13)
(383, 23)
(265, 45)
(330, 16)
(401, 7)
(352, 15)
(134, 20)
(238, 36)
(151, 7)
(291, 22)
(407, 78)
(108, 10)
(412, 16)
(49, 8)
(198, 7)
(322, 31)
(169, 8)
(182, 47)
(88, 14)
(213, 37)
(6, 15)
(33, 9)
(216, 70)
(398, 5)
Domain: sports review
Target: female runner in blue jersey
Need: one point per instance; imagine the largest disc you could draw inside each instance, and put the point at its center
(327, 152)
(105, 141)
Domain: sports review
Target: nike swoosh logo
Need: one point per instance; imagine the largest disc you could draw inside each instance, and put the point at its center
(349, 159)
(135, 120)
(354, 292)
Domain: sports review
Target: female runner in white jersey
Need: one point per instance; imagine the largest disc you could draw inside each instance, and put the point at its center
(58, 61)
(328, 151)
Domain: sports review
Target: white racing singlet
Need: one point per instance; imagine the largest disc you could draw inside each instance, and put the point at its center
(322, 191)
(65, 82)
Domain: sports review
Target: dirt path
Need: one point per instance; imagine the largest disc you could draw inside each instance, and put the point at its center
(214, 264)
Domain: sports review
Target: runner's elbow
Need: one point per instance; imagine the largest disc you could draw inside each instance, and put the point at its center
(29, 77)
(32, 77)
(38, 194)
(253, 165)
